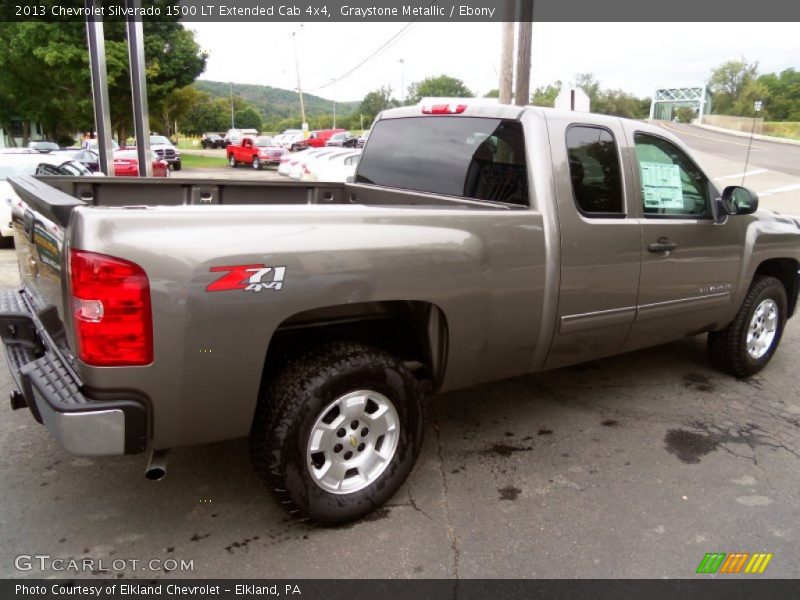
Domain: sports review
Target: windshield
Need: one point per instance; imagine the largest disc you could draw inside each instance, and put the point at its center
(94, 145)
(159, 139)
(264, 141)
(44, 145)
(72, 167)
(17, 168)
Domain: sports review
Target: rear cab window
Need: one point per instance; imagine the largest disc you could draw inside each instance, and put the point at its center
(595, 172)
(470, 157)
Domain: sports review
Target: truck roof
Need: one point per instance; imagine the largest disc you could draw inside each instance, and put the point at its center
(484, 107)
(480, 107)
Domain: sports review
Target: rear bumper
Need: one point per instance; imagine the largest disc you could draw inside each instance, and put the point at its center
(49, 387)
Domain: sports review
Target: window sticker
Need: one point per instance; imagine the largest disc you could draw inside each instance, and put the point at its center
(662, 186)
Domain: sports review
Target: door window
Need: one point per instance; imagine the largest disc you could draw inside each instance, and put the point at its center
(672, 185)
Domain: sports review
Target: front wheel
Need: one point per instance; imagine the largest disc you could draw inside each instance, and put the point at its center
(337, 432)
(749, 342)
(232, 161)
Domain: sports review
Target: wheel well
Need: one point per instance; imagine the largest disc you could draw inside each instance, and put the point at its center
(412, 331)
(784, 270)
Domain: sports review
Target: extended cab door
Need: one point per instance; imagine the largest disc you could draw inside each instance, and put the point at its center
(690, 265)
(600, 238)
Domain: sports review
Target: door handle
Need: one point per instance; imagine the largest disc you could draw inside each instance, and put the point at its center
(662, 245)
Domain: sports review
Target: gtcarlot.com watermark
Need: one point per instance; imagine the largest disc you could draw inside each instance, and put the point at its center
(47, 562)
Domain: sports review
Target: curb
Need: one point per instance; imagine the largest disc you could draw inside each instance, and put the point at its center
(744, 134)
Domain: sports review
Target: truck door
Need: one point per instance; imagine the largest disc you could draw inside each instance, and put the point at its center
(690, 265)
(600, 238)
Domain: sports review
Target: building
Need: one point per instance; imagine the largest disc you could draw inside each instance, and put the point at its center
(15, 132)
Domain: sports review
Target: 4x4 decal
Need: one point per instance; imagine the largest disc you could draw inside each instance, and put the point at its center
(249, 278)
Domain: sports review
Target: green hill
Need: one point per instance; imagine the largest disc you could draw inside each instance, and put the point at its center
(276, 103)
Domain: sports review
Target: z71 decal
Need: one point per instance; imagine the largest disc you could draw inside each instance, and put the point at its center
(249, 278)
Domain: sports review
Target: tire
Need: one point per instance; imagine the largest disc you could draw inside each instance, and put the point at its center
(728, 349)
(256, 163)
(232, 161)
(178, 166)
(302, 398)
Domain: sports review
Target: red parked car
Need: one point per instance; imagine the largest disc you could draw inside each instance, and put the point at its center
(317, 139)
(254, 151)
(126, 164)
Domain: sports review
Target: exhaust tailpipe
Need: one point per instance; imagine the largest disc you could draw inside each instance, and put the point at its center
(157, 465)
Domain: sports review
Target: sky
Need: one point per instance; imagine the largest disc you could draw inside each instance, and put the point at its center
(636, 57)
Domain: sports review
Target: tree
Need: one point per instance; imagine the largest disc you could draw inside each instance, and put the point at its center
(248, 118)
(545, 95)
(781, 95)
(728, 81)
(59, 96)
(494, 93)
(589, 84)
(376, 101)
(443, 85)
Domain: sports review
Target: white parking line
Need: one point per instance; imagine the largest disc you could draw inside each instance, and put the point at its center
(740, 175)
(780, 190)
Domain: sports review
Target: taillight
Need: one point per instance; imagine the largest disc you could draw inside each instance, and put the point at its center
(111, 310)
(444, 109)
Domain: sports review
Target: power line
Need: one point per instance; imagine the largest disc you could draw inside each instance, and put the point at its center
(377, 51)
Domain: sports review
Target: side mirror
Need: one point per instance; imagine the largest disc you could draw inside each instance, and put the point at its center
(738, 200)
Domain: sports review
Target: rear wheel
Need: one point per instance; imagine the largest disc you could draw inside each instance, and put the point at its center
(256, 163)
(337, 432)
(749, 342)
(232, 161)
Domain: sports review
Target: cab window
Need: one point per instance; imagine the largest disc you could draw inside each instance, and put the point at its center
(671, 184)
(471, 157)
(594, 171)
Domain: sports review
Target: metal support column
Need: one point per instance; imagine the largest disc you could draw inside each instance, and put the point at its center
(141, 116)
(97, 66)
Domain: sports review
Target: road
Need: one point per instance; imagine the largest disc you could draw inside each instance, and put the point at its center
(773, 169)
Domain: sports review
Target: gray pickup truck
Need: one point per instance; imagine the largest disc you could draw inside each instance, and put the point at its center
(476, 243)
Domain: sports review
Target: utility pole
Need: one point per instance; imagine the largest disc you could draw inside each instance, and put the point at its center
(141, 114)
(524, 43)
(97, 69)
(233, 125)
(507, 62)
(334, 102)
(299, 87)
(402, 62)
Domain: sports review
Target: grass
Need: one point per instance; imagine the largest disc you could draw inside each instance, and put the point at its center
(785, 129)
(195, 161)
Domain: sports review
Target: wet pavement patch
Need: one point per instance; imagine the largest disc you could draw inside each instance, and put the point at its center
(509, 493)
(697, 381)
(690, 446)
(507, 449)
(545, 432)
(609, 423)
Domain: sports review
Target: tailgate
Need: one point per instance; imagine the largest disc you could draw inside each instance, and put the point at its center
(40, 224)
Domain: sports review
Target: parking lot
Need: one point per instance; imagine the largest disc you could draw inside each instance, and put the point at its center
(633, 466)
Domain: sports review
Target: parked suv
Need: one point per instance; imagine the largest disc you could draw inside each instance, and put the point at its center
(212, 140)
(166, 151)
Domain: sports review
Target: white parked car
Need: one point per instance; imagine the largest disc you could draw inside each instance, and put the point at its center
(335, 168)
(29, 164)
(305, 164)
(295, 160)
